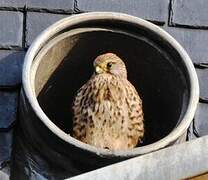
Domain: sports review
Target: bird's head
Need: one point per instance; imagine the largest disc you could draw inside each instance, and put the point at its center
(111, 64)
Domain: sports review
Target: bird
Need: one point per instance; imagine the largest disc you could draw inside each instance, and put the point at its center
(107, 109)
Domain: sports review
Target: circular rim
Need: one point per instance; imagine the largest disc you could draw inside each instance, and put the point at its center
(75, 19)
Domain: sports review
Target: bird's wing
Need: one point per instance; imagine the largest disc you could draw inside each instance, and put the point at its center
(79, 108)
(135, 113)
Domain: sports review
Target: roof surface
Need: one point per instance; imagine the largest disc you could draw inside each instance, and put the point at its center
(22, 20)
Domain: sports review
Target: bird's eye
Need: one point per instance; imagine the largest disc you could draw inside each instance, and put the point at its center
(109, 65)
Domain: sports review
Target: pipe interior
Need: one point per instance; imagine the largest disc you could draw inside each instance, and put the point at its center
(156, 70)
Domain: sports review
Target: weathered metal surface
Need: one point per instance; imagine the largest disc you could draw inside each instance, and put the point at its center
(4, 173)
(56, 66)
(177, 162)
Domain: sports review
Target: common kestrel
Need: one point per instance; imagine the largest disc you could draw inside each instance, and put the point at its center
(107, 109)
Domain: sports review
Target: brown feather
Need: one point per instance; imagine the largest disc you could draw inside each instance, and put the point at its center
(108, 112)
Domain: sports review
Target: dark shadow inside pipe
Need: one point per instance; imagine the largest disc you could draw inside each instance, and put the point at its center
(153, 68)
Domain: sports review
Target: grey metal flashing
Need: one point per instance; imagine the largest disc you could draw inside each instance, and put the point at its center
(176, 162)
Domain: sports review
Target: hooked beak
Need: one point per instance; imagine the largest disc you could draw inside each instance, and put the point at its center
(98, 70)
